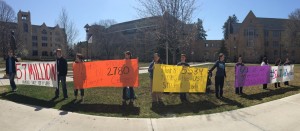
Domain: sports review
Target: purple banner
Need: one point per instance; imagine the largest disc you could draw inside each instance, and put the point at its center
(252, 75)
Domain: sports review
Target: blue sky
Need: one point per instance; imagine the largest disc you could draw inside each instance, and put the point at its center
(213, 12)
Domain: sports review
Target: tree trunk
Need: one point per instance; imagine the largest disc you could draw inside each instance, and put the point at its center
(174, 56)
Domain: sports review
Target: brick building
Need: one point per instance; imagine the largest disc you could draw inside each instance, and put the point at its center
(257, 37)
(205, 50)
(37, 41)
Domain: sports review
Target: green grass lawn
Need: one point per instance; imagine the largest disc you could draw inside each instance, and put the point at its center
(108, 102)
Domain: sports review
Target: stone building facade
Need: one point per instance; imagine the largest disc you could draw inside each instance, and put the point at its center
(37, 41)
(257, 37)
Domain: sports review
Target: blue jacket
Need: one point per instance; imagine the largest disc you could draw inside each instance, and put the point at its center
(150, 69)
(220, 68)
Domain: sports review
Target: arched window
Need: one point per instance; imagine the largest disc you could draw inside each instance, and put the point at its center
(25, 27)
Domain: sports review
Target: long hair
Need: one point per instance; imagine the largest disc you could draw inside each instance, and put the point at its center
(265, 59)
(278, 61)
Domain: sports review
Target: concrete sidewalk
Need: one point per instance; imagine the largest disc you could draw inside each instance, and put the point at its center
(278, 115)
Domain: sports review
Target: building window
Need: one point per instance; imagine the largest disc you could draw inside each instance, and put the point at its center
(34, 30)
(293, 53)
(34, 38)
(250, 43)
(206, 45)
(44, 38)
(266, 33)
(34, 53)
(275, 52)
(25, 27)
(57, 39)
(44, 44)
(51, 53)
(266, 43)
(276, 33)
(50, 33)
(24, 17)
(44, 32)
(34, 44)
(44, 53)
(275, 44)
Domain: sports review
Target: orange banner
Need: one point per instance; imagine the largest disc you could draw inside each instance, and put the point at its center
(108, 73)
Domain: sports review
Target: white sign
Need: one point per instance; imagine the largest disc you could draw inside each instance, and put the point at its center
(37, 73)
(281, 73)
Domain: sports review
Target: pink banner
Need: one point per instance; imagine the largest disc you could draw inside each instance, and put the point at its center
(252, 75)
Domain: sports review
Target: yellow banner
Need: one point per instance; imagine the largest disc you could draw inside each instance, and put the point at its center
(168, 78)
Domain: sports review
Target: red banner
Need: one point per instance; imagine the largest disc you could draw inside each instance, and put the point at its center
(109, 73)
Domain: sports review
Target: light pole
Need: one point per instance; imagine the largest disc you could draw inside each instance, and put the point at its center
(167, 52)
(235, 54)
(13, 45)
(192, 53)
(87, 27)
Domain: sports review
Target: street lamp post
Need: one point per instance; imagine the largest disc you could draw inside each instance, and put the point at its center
(87, 27)
(13, 45)
(235, 54)
(192, 53)
(167, 52)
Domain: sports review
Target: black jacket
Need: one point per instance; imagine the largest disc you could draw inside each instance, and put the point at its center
(14, 60)
(62, 66)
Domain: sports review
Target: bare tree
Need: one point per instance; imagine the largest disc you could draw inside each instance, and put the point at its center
(292, 33)
(7, 16)
(106, 42)
(70, 28)
(174, 29)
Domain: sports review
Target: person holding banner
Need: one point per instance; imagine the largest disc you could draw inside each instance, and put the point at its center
(11, 69)
(220, 75)
(62, 70)
(128, 92)
(156, 96)
(183, 63)
(79, 59)
(265, 63)
(287, 62)
(277, 63)
(239, 90)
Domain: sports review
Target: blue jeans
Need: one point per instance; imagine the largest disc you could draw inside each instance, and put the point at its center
(12, 81)
(64, 86)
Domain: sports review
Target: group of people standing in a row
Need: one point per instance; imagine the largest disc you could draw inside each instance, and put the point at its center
(277, 63)
(128, 92)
